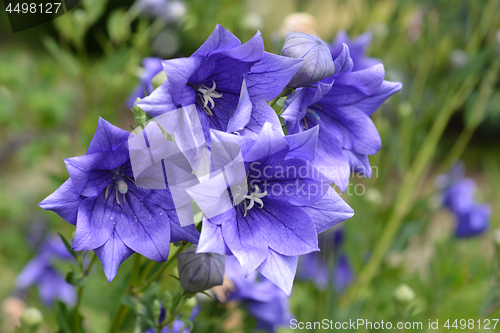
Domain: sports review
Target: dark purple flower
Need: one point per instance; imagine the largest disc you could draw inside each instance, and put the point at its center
(474, 221)
(112, 215)
(318, 62)
(342, 105)
(357, 49)
(343, 274)
(459, 197)
(229, 84)
(152, 66)
(41, 272)
(288, 203)
(267, 303)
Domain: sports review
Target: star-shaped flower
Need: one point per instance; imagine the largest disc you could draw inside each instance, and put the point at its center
(228, 82)
(295, 203)
(113, 216)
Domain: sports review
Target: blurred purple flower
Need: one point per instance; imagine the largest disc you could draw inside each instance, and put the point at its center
(317, 64)
(168, 11)
(288, 203)
(152, 66)
(342, 105)
(459, 197)
(112, 215)
(40, 272)
(357, 49)
(228, 82)
(267, 303)
(330, 265)
(178, 326)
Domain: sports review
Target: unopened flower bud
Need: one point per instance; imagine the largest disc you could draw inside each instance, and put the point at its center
(318, 62)
(200, 271)
(404, 294)
(31, 317)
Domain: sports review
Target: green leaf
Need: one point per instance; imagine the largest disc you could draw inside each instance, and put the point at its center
(68, 247)
(76, 280)
(119, 26)
(491, 301)
(67, 60)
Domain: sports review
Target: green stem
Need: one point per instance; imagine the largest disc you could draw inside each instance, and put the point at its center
(485, 92)
(405, 197)
(122, 311)
(160, 271)
(85, 272)
(176, 311)
(287, 91)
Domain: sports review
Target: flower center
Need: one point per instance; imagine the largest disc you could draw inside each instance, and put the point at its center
(311, 113)
(207, 96)
(119, 179)
(254, 197)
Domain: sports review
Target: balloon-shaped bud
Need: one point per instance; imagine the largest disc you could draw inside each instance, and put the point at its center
(200, 271)
(31, 317)
(404, 294)
(318, 62)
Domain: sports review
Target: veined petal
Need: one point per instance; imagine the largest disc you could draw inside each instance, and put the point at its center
(95, 223)
(144, 226)
(112, 254)
(161, 101)
(246, 238)
(328, 211)
(290, 231)
(64, 202)
(220, 40)
(270, 76)
(107, 137)
(242, 113)
(280, 270)
(303, 144)
(211, 239)
(178, 72)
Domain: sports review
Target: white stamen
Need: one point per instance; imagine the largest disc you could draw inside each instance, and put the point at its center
(207, 96)
(254, 197)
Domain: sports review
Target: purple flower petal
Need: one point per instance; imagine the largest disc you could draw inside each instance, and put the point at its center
(328, 211)
(112, 254)
(64, 201)
(280, 270)
(270, 76)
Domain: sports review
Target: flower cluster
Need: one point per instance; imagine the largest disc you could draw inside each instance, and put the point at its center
(222, 101)
(472, 218)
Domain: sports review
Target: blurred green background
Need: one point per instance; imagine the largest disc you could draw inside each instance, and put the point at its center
(58, 78)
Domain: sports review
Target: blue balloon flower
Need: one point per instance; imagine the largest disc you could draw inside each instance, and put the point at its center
(342, 105)
(229, 84)
(113, 216)
(287, 204)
